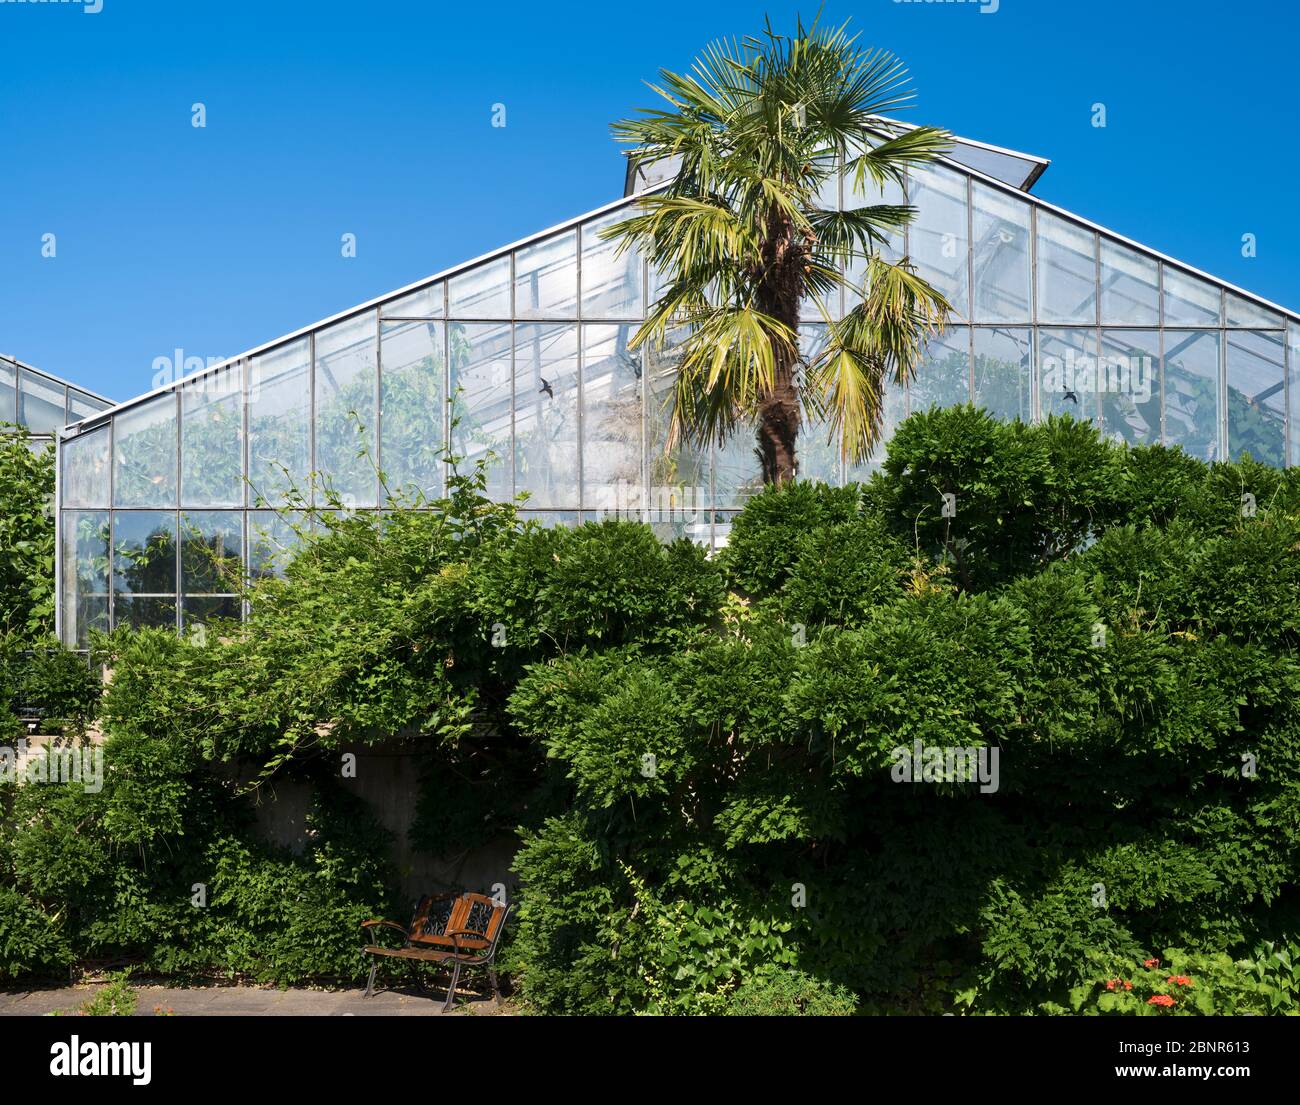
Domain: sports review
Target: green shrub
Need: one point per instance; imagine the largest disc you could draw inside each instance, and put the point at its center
(706, 758)
(1181, 983)
(32, 943)
(1023, 496)
(764, 544)
(1072, 623)
(63, 685)
(790, 994)
(116, 999)
(603, 583)
(26, 537)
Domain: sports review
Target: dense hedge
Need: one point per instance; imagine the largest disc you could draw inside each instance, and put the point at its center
(26, 536)
(699, 753)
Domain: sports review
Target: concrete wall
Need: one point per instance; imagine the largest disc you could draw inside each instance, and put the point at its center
(387, 779)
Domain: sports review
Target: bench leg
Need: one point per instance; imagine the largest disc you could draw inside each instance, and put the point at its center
(370, 982)
(496, 986)
(451, 990)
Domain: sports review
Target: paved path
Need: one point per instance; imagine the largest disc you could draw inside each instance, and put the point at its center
(254, 1001)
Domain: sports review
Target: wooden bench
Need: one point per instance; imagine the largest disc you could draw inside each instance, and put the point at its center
(461, 929)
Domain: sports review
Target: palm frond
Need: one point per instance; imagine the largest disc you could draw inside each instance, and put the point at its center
(879, 340)
(859, 230)
(885, 162)
(727, 361)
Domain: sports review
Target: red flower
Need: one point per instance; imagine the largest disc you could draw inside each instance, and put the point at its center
(1181, 980)
(1110, 984)
(1151, 963)
(1128, 985)
(1160, 999)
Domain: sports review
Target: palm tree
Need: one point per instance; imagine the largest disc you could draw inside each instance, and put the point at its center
(758, 129)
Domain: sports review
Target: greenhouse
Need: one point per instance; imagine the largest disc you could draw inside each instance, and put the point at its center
(521, 357)
(40, 403)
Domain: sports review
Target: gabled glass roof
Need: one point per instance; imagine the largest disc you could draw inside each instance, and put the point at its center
(1020, 170)
(1180, 280)
(41, 402)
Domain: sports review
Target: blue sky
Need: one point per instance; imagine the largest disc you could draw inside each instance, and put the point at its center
(374, 118)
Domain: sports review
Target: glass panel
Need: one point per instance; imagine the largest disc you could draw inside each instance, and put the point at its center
(827, 199)
(679, 477)
(1128, 378)
(658, 284)
(611, 285)
(346, 381)
(1130, 286)
(212, 439)
(273, 538)
(1256, 396)
(482, 292)
(84, 536)
(817, 452)
(938, 243)
(1249, 314)
(8, 391)
(546, 278)
(737, 473)
(144, 567)
(828, 191)
(1189, 300)
(1191, 386)
(1001, 255)
(480, 402)
(549, 519)
(1067, 271)
(279, 429)
(85, 469)
(82, 406)
(1002, 376)
(611, 420)
(41, 403)
(1067, 372)
(1293, 384)
(204, 609)
(546, 415)
(999, 164)
(212, 552)
(412, 406)
(943, 373)
(676, 521)
(723, 520)
(144, 444)
(426, 303)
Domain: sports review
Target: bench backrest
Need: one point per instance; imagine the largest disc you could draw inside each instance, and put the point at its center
(438, 915)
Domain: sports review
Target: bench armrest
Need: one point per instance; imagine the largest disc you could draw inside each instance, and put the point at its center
(456, 934)
(371, 926)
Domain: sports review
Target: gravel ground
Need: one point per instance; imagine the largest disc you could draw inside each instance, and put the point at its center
(255, 1001)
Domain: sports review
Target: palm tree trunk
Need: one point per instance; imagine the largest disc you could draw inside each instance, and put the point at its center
(778, 410)
(778, 428)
